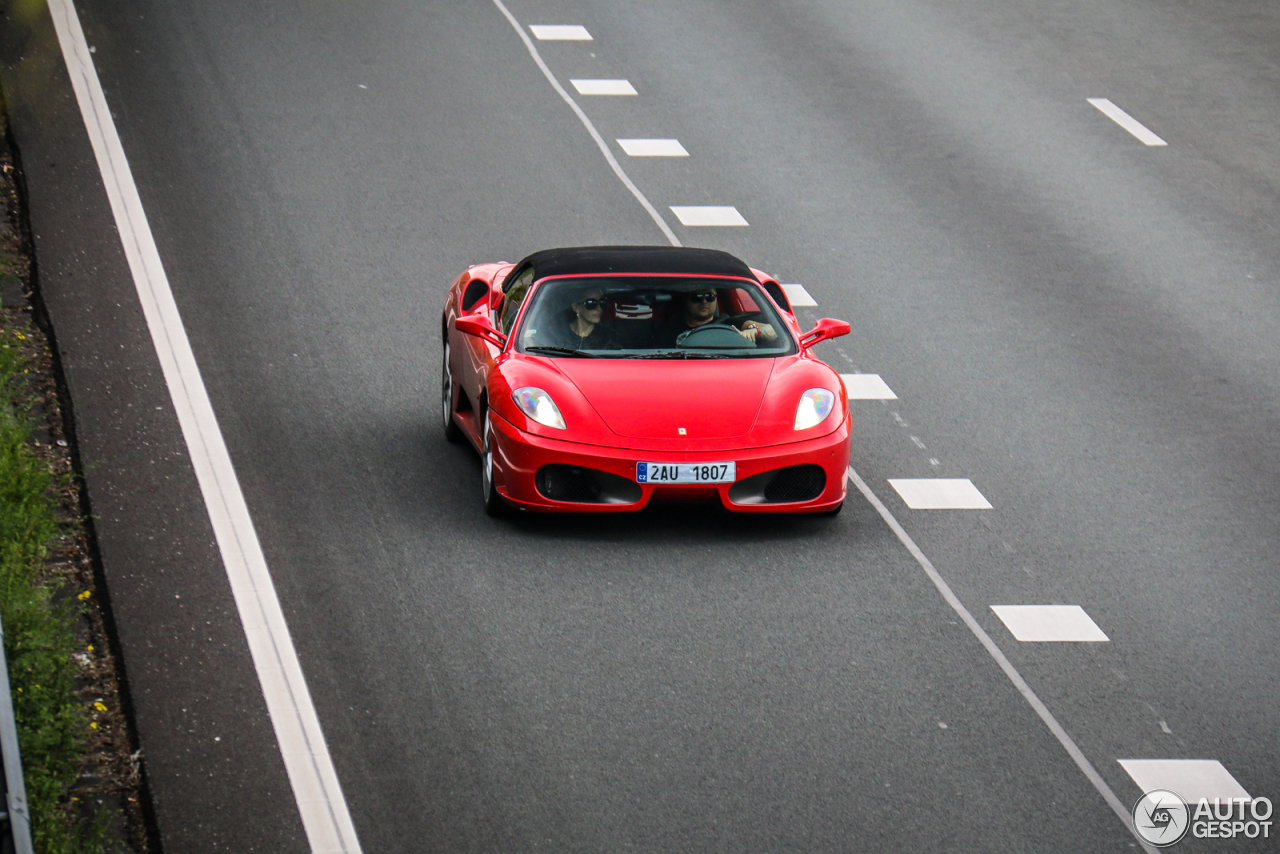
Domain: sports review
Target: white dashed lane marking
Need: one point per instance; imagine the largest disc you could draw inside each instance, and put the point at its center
(1064, 738)
(560, 32)
(1050, 623)
(867, 387)
(709, 216)
(604, 87)
(588, 124)
(1126, 121)
(940, 493)
(653, 147)
(798, 296)
(1190, 779)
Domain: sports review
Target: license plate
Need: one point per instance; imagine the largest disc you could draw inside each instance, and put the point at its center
(686, 472)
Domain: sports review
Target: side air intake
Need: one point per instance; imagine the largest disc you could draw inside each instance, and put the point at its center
(580, 485)
(780, 486)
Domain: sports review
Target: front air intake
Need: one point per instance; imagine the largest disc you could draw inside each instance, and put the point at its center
(578, 485)
(789, 485)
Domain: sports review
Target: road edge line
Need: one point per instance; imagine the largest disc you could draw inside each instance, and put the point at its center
(327, 820)
(591, 128)
(1064, 738)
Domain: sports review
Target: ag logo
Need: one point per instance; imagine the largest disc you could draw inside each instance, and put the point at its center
(1161, 817)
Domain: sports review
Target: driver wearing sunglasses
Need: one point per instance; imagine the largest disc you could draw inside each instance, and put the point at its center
(703, 307)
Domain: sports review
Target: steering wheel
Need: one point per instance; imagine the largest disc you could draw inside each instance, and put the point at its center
(715, 336)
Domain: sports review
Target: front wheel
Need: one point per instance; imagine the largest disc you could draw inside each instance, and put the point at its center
(493, 503)
(452, 432)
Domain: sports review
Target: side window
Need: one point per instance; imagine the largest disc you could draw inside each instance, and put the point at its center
(515, 298)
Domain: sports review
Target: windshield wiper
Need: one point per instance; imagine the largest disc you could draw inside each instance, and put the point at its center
(560, 351)
(680, 354)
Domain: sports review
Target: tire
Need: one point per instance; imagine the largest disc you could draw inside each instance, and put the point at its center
(452, 432)
(834, 511)
(493, 503)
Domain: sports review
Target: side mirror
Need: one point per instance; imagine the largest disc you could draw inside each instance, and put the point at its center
(826, 328)
(482, 328)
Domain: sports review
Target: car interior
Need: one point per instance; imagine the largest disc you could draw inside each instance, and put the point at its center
(644, 316)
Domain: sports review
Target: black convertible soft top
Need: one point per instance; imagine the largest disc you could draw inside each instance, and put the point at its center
(631, 259)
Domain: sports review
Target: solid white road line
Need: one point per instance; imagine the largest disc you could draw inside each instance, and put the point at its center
(1041, 710)
(867, 387)
(1056, 623)
(798, 296)
(653, 148)
(940, 493)
(708, 215)
(591, 128)
(1190, 779)
(604, 87)
(1126, 121)
(561, 33)
(306, 758)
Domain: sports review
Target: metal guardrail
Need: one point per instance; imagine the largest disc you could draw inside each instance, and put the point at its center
(15, 820)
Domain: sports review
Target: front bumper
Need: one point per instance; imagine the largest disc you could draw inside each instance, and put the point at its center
(519, 455)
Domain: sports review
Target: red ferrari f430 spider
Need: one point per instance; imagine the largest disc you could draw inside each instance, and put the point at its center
(598, 379)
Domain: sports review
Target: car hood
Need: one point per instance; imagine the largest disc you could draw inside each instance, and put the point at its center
(658, 398)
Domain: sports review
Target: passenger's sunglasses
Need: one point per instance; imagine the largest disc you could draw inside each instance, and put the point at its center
(593, 304)
(707, 297)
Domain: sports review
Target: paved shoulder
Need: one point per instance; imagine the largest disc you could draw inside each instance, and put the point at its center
(216, 776)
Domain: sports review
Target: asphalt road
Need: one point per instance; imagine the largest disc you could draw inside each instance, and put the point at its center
(1085, 326)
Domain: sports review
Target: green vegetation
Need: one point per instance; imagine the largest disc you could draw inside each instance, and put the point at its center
(39, 623)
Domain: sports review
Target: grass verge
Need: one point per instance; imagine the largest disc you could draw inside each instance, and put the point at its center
(39, 624)
(84, 768)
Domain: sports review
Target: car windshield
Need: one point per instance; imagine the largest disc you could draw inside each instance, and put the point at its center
(652, 317)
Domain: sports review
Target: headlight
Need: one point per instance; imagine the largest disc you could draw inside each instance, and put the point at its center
(539, 406)
(815, 405)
